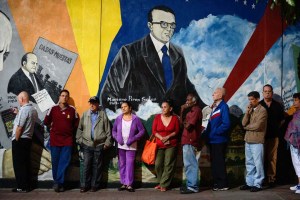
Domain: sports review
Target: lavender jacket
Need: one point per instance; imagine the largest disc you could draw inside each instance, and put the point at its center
(137, 130)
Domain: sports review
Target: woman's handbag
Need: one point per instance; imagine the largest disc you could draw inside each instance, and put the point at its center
(149, 152)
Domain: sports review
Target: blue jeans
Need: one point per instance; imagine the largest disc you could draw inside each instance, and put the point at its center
(190, 160)
(61, 157)
(254, 164)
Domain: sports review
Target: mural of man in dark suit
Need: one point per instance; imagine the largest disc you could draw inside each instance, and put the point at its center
(25, 78)
(150, 68)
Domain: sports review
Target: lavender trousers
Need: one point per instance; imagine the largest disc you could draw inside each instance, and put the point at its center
(126, 166)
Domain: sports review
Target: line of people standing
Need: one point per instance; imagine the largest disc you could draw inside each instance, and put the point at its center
(94, 135)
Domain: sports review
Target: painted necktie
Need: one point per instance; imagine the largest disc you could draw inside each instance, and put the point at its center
(166, 63)
(33, 82)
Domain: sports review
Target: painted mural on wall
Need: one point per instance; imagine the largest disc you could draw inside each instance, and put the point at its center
(206, 43)
(215, 42)
(42, 72)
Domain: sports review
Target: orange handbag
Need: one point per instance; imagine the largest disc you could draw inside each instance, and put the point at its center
(149, 152)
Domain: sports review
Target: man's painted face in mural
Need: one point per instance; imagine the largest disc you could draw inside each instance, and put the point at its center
(5, 38)
(31, 64)
(158, 32)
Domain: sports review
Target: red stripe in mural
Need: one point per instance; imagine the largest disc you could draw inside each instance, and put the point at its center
(267, 32)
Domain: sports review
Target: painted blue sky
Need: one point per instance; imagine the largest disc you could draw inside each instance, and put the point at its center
(212, 46)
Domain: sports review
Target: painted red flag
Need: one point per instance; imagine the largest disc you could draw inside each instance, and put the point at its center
(267, 32)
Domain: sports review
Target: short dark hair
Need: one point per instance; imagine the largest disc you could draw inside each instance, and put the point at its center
(160, 7)
(128, 103)
(64, 90)
(168, 101)
(296, 95)
(24, 58)
(195, 97)
(254, 94)
(268, 85)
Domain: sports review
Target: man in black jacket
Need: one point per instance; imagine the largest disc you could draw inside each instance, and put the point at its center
(275, 120)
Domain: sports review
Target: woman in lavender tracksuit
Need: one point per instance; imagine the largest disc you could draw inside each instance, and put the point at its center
(127, 130)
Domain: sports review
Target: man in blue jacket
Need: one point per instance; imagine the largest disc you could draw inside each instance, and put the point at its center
(217, 135)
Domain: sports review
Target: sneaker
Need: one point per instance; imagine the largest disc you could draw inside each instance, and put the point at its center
(19, 190)
(220, 189)
(186, 191)
(224, 189)
(294, 188)
(297, 192)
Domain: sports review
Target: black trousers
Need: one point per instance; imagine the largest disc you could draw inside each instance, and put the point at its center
(92, 166)
(21, 161)
(218, 165)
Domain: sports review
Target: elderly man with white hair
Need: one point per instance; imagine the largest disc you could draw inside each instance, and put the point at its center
(23, 129)
(217, 137)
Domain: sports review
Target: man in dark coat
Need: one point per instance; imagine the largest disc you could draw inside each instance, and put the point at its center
(140, 70)
(25, 78)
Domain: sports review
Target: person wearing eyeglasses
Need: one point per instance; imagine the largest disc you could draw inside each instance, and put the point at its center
(150, 68)
(275, 120)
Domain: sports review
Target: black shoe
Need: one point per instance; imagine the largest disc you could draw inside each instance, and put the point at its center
(19, 190)
(255, 189)
(94, 189)
(130, 189)
(84, 189)
(245, 187)
(186, 191)
(56, 187)
(61, 189)
(271, 185)
(122, 188)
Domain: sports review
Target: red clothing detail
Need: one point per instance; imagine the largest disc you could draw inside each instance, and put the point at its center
(63, 124)
(192, 136)
(161, 129)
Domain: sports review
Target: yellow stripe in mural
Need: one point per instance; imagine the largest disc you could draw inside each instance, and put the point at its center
(111, 23)
(93, 46)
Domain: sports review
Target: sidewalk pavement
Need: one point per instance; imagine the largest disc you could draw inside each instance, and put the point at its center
(278, 193)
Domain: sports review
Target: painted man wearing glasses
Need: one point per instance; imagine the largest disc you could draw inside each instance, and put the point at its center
(151, 67)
